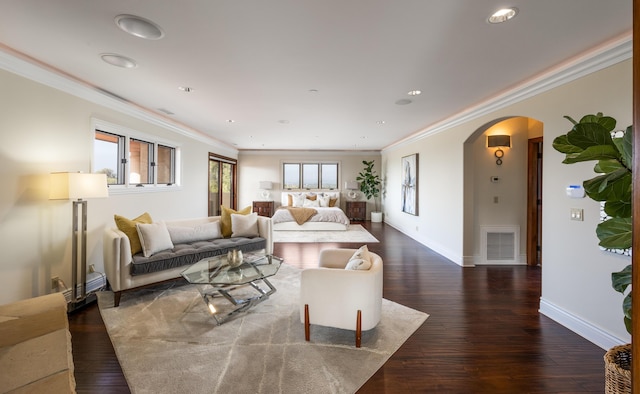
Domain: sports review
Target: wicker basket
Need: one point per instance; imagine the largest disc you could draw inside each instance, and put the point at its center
(617, 375)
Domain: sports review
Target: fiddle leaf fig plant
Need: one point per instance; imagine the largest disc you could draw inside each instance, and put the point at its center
(594, 138)
(369, 182)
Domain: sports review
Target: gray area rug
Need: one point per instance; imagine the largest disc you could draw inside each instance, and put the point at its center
(355, 233)
(167, 342)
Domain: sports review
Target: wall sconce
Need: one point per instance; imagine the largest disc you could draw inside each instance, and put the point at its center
(352, 186)
(265, 186)
(498, 141)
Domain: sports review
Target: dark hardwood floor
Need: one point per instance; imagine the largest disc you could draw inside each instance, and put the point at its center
(484, 333)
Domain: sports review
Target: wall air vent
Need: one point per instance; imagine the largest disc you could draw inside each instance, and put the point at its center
(500, 245)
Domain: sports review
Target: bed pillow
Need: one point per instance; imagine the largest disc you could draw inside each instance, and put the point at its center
(128, 226)
(225, 219)
(244, 225)
(324, 201)
(154, 237)
(298, 200)
(311, 203)
(361, 260)
(200, 232)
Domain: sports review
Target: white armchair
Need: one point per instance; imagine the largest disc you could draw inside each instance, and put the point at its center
(334, 297)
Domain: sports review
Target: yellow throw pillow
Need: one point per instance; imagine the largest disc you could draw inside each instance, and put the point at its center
(225, 220)
(128, 226)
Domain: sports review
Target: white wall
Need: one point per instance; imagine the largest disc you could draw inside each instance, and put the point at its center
(256, 166)
(45, 130)
(575, 273)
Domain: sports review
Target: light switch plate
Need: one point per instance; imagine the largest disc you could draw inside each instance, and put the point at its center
(577, 214)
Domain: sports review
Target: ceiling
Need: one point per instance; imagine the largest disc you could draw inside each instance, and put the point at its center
(310, 75)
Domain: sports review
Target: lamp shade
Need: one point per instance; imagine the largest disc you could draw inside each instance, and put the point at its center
(494, 141)
(266, 185)
(351, 185)
(77, 185)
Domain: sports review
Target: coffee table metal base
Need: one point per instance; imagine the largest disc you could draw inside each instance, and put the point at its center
(240, 304)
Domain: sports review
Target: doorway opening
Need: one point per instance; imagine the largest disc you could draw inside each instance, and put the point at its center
(222, 183)
(534, 201)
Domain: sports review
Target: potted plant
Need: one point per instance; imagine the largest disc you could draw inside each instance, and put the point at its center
(370, 187)
(594, 138)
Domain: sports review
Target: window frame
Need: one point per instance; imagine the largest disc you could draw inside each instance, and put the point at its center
(125, 136)
(320, 168)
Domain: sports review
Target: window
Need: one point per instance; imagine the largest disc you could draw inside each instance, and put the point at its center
(310, 175)
(131, 159)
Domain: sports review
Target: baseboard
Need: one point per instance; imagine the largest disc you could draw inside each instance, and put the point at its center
(95, 281)
(581, 327)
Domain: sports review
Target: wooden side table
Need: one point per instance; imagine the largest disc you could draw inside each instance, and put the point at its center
(357, 210)
(263, 208)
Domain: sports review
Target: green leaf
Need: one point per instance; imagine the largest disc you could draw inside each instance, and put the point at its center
(562, 145)
(625, 147)
(585, 135)
(570, 119)
(615, 233)
(609, 187)
(607, 122)
(621, 280)
(618, 209)
(607, 166)
(594, 152)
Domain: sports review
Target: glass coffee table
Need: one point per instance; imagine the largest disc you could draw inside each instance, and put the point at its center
(237, 285)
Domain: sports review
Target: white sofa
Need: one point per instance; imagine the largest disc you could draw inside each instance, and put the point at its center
(119, 263)
(333, 296)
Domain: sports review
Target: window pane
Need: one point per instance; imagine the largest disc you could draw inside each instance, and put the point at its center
(106, 156)
(329, 176)
(310, 176)
(164, 165)
(291, 176)
(140, 154)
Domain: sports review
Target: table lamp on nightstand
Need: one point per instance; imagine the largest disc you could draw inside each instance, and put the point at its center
(353, 188)
(265, 186)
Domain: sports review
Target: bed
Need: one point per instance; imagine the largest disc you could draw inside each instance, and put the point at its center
(327, 216)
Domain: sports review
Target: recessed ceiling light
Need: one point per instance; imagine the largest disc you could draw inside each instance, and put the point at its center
(403, 102)
(414, 92)
(381, 122)
(313, 90)
(503, 15)
(139, 27)
(284, 121)
(118, 60)
(230, 121)
(185, 89)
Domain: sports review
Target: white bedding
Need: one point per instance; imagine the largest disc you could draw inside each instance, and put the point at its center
(333, 217)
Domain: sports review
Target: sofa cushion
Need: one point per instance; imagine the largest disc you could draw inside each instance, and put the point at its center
(244, 225)
(154, 237)
(192, 252)
(199, 232)
(128, 226)
(225, 219)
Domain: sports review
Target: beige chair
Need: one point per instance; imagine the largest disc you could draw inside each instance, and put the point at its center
(334, 297)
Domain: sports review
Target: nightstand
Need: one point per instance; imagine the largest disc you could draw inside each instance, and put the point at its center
(263, 208)
(357, 210)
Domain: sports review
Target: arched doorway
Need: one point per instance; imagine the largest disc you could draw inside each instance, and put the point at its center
(497, 227)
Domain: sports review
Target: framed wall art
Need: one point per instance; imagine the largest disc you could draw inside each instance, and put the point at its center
(409, 195)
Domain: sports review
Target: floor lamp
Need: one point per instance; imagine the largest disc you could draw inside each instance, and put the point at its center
(78, 186)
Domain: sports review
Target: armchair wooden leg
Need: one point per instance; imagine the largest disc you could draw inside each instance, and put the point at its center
(306, 322)
(359, 328)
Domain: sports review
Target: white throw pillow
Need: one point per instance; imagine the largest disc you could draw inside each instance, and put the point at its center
(244, 225)
(324, 201)
(154, 237)
(361, 259)
(311, 203)
(199, 232)
(298, 200)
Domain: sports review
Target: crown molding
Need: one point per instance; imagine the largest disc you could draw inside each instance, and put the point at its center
(608, 54)
(31, 69)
